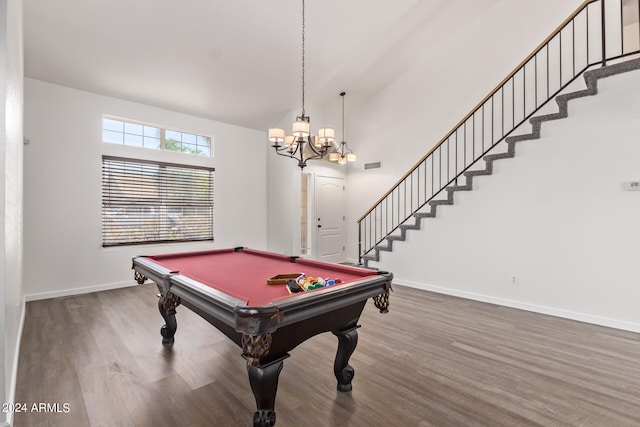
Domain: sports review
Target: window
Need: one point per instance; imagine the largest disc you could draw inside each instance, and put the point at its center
(152, 202)
(119, 131)
(187, 143)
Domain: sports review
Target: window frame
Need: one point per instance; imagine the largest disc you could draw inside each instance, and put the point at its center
(164, 183)
(163, 136)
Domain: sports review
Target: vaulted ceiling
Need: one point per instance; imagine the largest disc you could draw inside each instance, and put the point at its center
(237, 61)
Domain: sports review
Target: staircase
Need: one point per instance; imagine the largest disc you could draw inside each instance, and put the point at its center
(405, 205)
(591, 79)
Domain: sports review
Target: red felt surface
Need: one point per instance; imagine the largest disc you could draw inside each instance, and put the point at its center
(244, 275)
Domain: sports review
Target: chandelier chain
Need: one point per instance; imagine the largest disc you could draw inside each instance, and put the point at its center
(303, 57)
(342, 95)
(301, 145)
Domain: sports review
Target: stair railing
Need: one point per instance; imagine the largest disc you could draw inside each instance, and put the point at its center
(597, 32)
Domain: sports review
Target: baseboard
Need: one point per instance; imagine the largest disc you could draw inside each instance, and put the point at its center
(566, 314)
(78, 291)
(14, 369)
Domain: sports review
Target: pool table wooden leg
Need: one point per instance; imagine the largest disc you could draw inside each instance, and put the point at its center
(347, 341)
(167, 307)
(264, 384)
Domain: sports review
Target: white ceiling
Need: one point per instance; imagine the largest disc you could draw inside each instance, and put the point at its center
(236, 61)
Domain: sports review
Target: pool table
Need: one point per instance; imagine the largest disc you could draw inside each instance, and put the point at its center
(229, 288)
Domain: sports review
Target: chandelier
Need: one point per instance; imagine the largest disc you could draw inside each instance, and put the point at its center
(301, 145)
(343, 153)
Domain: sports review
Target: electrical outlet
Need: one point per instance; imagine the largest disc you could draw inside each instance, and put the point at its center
(513, 280)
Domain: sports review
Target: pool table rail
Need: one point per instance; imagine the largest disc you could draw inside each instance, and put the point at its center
(257, 320)
(306, 304)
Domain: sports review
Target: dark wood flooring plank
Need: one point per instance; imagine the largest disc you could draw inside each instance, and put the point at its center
(433, 360)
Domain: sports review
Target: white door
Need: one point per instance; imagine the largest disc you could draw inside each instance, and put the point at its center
(330, 218)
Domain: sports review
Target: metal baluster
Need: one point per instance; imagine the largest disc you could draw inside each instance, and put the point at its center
(513, 101)
(433, 178)
(621, 29)
(502, 115)
(573, 43)
(483, 127)
(535, 82)
(547, 48)
(604, 38)
(418, 187)
(492, 120)
(455, 159)
(587, 36)
(465, 141)
(473, 139)
(440, 166)
(393, 207)
(524, 91)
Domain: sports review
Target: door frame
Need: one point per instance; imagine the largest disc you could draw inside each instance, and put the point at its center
(312, 213)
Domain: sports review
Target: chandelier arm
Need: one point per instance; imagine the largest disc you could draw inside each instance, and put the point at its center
(280, 150)
(313, 149)
(317, 155)
(302, 161)
(318, 151)
(288, 153)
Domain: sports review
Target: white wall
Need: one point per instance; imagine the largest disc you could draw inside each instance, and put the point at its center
(63, 188)
(555, 217)
(11, 209)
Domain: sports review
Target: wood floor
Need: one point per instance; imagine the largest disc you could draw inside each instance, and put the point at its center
(433, 360)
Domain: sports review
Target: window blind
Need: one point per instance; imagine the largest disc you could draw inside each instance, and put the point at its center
(154, 202)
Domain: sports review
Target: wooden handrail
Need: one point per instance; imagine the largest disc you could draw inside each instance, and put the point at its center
(485, 99)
